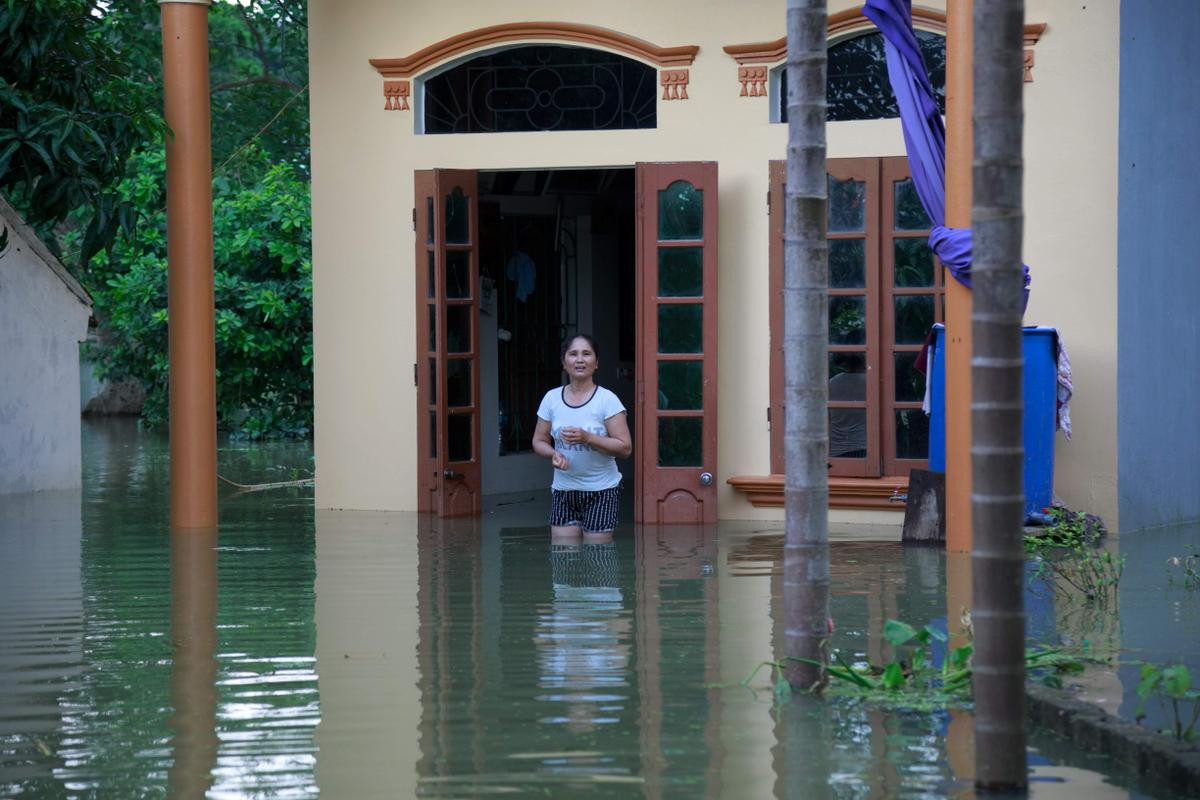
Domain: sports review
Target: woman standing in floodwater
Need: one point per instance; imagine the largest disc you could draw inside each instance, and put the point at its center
(582, 428)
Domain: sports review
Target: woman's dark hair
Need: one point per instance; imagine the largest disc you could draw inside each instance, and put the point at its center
(566, 345)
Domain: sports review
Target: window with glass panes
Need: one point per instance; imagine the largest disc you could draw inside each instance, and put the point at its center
(885, 293)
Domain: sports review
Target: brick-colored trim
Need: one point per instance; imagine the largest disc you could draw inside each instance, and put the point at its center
(588, 35)
(674, 84)
(395, 95)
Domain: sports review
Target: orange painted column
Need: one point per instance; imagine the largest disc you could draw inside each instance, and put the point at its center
(192, 347)
(959, 142)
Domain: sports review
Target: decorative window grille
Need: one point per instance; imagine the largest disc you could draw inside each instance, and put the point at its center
(541, 88)
(857, 84)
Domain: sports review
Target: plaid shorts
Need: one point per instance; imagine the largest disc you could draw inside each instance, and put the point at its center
(595, 512)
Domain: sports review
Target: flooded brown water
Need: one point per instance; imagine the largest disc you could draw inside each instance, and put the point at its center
(294, 653)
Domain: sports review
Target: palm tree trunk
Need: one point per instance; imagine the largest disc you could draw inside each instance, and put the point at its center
(805, 336)
(997, 455)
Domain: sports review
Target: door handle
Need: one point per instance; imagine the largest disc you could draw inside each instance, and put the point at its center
(706, 479)
(451, 475)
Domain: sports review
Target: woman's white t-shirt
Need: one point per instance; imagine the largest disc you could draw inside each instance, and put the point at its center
(590, 470)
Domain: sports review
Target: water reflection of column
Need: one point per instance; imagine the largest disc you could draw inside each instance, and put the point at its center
(194, 664)
(749, 607)
(960, 733)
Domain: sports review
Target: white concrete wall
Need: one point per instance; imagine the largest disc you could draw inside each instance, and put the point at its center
(364, 158)
(42, 322)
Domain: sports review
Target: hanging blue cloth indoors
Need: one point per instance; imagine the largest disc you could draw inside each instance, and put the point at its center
(924, 132)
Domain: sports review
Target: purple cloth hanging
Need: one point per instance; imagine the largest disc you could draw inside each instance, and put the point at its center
(924, 132)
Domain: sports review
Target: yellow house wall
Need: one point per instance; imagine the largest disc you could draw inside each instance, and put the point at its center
(364, 158)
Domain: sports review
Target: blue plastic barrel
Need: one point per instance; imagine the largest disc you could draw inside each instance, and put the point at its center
(1041, 379)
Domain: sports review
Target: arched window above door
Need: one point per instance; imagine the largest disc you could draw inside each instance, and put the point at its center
(540, 87)
(857, 83)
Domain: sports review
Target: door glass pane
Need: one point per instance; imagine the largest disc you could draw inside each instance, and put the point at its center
(458, 273)
(431, 291)
(847, 376)
(433, 381)
(913, 265)
(847, 263)
(433, 434)
(847, 433)
(429, 220)
(848, 320)
(680, 212)
(680, 442)
(458, 211)
(458, 382)
(680, 385)
(432, 328)
(680, 328)
(680, 271)
(910, 214)
(914, 318)
(910, 384)
(912, 433)
(458, 328)
(458, 437)
(847, 205)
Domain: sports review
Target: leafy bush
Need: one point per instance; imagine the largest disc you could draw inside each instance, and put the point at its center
(263, 295)
(1067, 555)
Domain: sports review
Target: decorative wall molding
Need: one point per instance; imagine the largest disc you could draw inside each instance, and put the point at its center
(395, 95)
(1033, 32)
(852, 20)
(587, 35)
(674, 83)
(754, 80)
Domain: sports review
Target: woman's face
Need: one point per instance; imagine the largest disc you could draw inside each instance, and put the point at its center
(580, 360)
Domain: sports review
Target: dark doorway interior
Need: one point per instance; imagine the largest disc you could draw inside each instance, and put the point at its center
(557, 257)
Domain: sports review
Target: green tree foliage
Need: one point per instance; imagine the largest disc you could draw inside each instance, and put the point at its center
(71, 112)
(263, 294)
(82, 152)
(258, 70)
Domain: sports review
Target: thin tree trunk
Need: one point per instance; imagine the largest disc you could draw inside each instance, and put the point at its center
(805, 336)
(997, 408)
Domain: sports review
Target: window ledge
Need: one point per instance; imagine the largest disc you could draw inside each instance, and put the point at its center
(766, 491)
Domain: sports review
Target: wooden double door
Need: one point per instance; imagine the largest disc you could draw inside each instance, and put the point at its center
(675, 414)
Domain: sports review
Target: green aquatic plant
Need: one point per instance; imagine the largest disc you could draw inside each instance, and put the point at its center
(1172, 687)
(911, 680)
(1067, 556)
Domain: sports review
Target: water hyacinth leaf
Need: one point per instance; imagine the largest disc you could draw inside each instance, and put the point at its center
(893, 676)
(960, 656)
(936, 634)
(1176, 681)
(897, 633)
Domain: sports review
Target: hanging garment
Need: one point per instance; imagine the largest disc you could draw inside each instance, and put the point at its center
(522, 271)
(924, 133)
(1065, 386)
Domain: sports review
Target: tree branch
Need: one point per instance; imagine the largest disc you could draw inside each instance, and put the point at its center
(268, 79)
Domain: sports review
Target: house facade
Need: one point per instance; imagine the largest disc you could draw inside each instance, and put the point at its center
(491, 178)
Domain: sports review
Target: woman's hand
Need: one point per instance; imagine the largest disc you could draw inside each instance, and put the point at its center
(572, 435)
(560, 461)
